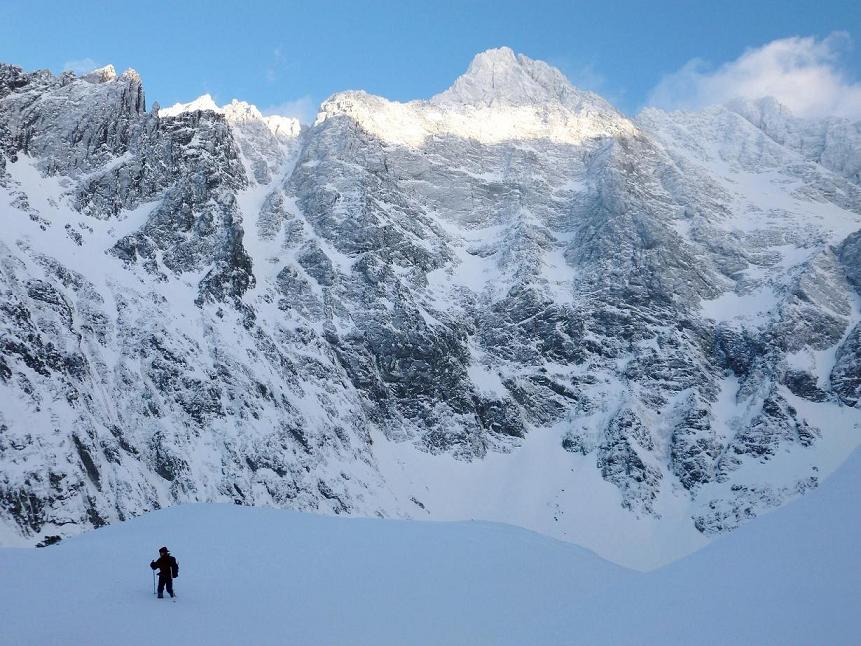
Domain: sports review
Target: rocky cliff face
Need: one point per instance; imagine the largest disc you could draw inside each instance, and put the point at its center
(508, 302)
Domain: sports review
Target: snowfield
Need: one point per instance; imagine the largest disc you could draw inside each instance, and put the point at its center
(265, 576)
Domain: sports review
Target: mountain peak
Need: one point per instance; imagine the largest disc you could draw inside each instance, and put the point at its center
(500, 76)
(241, 111)
(204, 102)
(500, 56)
(503, 96)
(237, 113)
(101, 74)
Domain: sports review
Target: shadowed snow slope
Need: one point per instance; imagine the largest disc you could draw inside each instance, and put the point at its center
(265, 576)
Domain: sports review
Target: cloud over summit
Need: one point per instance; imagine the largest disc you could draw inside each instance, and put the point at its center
(803, 73)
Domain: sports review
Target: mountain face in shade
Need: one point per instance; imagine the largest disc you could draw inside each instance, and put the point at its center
(509, 302)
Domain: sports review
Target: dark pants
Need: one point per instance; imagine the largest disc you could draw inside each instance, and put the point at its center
(165, 580)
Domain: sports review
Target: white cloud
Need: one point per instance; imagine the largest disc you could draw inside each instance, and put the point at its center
(803, 73)
(278, 63)
(80, 66)
(304, 108)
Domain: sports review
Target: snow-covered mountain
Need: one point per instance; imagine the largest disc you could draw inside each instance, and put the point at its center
(509, 302)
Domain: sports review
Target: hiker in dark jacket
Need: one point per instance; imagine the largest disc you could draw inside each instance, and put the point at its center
(168, 570)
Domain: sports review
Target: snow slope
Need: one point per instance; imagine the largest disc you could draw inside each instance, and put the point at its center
(790, 577)
(263, 576)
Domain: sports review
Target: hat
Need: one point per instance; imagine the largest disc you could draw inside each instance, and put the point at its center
(162, 550)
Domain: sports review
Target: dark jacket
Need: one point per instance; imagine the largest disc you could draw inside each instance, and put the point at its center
(166, 565)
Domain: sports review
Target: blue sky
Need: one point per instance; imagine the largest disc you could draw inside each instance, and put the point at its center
(294, 54)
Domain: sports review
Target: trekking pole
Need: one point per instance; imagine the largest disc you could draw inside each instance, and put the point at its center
(153, 582)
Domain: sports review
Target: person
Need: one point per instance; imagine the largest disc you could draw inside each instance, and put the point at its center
(168, 570)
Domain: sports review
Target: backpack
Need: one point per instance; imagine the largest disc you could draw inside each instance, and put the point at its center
(174, 568)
